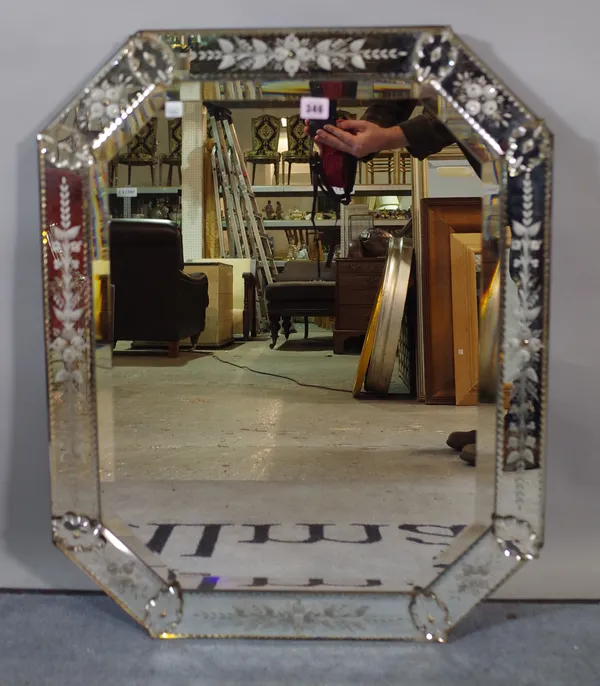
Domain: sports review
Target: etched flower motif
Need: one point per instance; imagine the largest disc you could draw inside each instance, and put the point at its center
(435, 56)
(150, 61)
(70, 152)
(430, 615)
(293, 54)
(77, 532)
(164, 611)
(481, 99)
(528, 145)
(516, 537)
(106, 101)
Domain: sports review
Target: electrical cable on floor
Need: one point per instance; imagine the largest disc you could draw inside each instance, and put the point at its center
(278, 376)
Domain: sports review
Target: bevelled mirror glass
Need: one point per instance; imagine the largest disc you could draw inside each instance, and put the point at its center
(296, 287)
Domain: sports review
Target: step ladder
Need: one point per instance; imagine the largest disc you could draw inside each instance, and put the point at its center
(244, 223)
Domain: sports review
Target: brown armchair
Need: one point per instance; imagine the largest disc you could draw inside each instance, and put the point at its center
(154, 300)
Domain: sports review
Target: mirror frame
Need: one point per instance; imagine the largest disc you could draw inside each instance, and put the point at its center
(106, 550)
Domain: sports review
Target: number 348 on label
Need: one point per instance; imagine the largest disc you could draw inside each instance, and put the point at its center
(314, 108)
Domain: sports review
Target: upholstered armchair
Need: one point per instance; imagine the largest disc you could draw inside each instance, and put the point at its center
(299, 145)
(173, 157)
(141, 152)
(303, 291)
(154, 300)
(265, 143)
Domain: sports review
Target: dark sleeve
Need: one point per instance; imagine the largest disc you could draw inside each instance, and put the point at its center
(425, 135)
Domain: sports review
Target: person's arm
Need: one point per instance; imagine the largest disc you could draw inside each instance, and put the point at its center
(422, 135)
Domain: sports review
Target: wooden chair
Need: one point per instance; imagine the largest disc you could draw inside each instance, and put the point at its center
(299, 145)
(265, 142)
(173, 157)
(141, 152)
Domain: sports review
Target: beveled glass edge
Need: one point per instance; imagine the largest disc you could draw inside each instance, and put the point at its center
(432, 57)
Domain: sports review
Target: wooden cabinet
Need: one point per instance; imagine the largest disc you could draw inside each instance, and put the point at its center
(357, 285)
(219, 314)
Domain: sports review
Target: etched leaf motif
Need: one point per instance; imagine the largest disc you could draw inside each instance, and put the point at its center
(67, 235)
(226, 46)
(227, 62)
(324, 62)
(358, 62)
(324, 45)
(299, 617)
(357, 45)
(523, 231)
(260, 61)
(260, 46)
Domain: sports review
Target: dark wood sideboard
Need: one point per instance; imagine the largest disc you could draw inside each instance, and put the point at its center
(357, 285)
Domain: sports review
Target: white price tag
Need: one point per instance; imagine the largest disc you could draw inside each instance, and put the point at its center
(314, 108)
(127, 192)
(173, 109)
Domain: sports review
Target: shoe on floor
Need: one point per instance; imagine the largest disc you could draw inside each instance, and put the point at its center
(459, 439)
(469, 454)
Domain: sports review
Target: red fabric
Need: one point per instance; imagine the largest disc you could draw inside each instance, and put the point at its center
(332, 160)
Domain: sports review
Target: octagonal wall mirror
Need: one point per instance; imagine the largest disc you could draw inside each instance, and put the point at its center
(263, 335)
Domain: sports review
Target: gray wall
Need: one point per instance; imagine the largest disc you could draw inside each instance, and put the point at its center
(47, 49)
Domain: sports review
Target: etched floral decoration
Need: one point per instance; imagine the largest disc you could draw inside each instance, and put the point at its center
(164, 611)
(301, 617)
(516, 537)
(77, 533)
(293, 54)
(65, 148)
(435, 56)
(528, 146)
(430, 615)
(151, 61)
(68, 342)
(527, 347)
(481, 99)
(105, 102)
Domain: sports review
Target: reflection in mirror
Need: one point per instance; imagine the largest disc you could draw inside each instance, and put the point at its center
(319, 331)
(238, 452)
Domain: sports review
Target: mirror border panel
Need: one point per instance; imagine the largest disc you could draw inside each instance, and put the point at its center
(431, 56)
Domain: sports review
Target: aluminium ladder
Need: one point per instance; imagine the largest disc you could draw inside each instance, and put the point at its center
(245, 228)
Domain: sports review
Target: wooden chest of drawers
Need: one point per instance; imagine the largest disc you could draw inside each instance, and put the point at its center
(357, 285)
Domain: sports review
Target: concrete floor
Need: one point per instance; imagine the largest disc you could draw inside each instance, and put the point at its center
(73, 640)
(198, 441)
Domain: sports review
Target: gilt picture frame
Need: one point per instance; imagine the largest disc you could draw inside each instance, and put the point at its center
(73, 156)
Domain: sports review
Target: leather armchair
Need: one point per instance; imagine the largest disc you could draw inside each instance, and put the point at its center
(154, 299)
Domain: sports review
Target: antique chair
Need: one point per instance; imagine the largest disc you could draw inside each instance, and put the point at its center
(299, 145)
(141, 152)
(265, 142)
(154, 300)
(173, 157)
(300, 291)
(382, 162)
